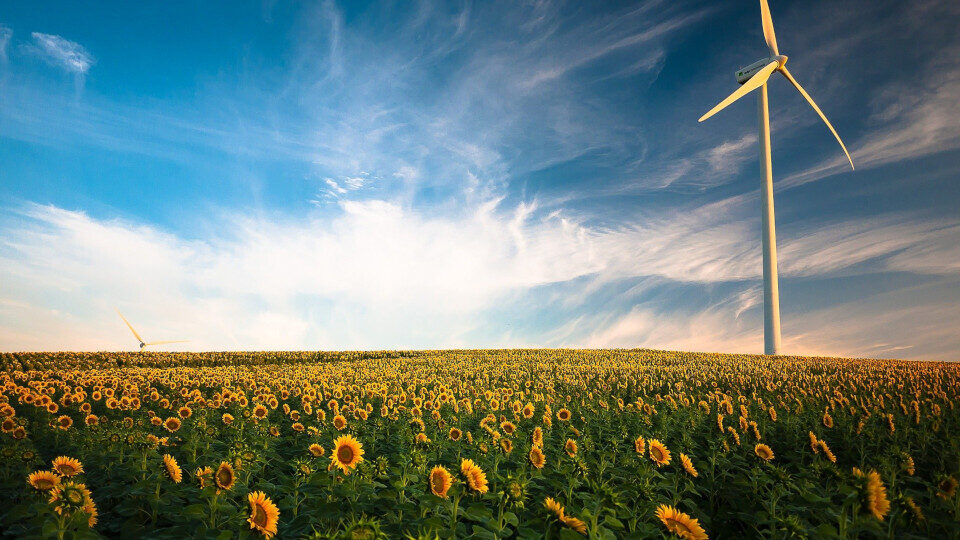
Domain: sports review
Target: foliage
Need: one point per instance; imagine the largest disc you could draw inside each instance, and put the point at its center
(623, 443)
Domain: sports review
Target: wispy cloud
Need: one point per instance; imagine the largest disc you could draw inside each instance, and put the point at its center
(381, 275)
(5, 35)
(62, 52)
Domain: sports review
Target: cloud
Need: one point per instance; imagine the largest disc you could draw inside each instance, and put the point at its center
(378, 274)
(5, 35)
(62, 52)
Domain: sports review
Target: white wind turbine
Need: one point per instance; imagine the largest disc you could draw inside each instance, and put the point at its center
(752, 77)
(140, 339)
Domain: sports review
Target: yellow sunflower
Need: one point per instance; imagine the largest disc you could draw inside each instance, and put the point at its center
(316, 450)
(43, 480)
(440, 481)
(688, 465)
(563, 415)
(537, 459)
(574, 524)
(172, 424)
(264, 515)
(571, 447)
(67, 466)
(553, 506)
(640, 445)
(260, 412)
(680, 524)
(347, 453)
(763, 451)
(173, 468)
(476, 478)
(659, 453)
(204, 476)
(876, 502)
(225, 476)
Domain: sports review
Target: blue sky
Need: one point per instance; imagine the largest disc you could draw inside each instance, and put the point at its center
(328, 175)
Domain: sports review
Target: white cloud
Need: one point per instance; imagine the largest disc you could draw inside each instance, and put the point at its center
(380, 275)
(5, 35)
(62, 52)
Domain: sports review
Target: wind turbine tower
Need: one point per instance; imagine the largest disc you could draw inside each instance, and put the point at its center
(751, 78)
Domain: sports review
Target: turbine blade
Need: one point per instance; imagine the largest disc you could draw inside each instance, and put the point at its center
(165, 342)
(753, 83)
(140, 339)
(823, 117)
(768, 33)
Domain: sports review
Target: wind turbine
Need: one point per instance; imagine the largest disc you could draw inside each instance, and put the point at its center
(751, 78)
(140, 339)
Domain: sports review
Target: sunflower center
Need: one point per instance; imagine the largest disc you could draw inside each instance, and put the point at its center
(75, 497)
(657, 454)
(345, 454)
(259, 516)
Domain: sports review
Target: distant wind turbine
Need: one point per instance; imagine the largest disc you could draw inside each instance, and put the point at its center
(752, 77)
(140, 339)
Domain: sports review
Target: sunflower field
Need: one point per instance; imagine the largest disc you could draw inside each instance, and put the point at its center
(482, 444)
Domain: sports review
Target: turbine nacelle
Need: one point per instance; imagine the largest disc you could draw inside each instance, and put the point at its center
(744, 73)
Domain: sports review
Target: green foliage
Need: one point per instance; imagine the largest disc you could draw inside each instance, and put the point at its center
(884, 415)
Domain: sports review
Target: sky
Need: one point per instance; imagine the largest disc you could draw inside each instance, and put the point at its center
(453, 174)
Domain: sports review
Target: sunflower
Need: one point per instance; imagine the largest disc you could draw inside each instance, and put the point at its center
(538, 436)
(563, 415)
(264, 515)
(688, 465)
(822, 445)
(659, 453)
(528, 410)
(339, 422)
(440, 481)
(476, 478)
(91, 420)
(227, 418)
(173, 468)
(347, 452)
(172, 424)
(69, 497)
(947, 488)
(204, 476)
(640, 445)
(537, 459)
(260, 412)
(506, 445)
(67, 466)
(680, 524)
(508, 427)
(185, 412)
(225, 476)
(814, 442)
(316, 450)
(554, 507)
(914, 509)
(454, 434)
(64, 422)
(574, 524)
(908, 465)
(763, 451)
(876, 501)
(571, 447)
(43, 480)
